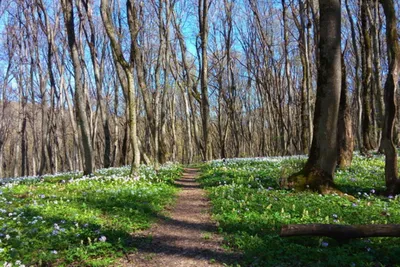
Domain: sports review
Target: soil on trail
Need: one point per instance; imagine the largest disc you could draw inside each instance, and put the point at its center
(186, 237)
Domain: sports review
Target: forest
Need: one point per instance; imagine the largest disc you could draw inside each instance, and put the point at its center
(203, 132)
(92, 84)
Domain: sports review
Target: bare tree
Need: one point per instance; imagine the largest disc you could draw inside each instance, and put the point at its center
(127, 67)
(80, 97)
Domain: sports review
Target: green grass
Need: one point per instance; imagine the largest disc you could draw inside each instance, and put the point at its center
(250, 209)
(68, 219)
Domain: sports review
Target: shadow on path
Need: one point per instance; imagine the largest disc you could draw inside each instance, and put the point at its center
(187, 237)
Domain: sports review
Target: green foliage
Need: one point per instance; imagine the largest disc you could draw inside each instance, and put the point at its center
(84, 221)
(250, 209)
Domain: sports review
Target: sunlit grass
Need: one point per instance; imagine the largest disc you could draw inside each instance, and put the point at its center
(70, 219)
(251, 208)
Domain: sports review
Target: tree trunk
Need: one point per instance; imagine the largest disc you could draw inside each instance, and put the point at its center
(305, 82)
(133, 122)
(345, 131)
(318, 172)
(391, 171)
(98, 73)
(357, 78)
(378, 97)
(80, 99)
(341, 232)
(120, 60)
(205, 106)
(367, 97)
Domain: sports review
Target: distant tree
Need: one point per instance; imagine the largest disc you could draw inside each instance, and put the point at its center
(318, 172)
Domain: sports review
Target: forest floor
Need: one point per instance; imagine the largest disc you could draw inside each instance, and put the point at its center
(186, 236)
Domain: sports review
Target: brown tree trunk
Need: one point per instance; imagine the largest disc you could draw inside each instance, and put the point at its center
(80, 99)
(127, 67)
(341, 232)
(357, 78)
(391, 171)
(98, 73)
(345, 131)
(318, 172)
(377, 92)
(303, 45)
(205, 105)
(367, 96)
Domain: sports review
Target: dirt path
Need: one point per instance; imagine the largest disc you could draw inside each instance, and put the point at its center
(187, 237)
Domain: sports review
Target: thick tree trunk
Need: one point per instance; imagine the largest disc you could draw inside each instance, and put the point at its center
(341, 232)
(391, 171)
(319, 169)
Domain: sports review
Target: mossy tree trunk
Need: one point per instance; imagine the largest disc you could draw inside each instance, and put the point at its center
(391, 172)
(317, 174)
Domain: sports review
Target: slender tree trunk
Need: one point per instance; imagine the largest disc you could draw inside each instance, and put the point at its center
(127, 67)
(205, 106)
(357, 77)
(345, 131)
(133, 121)
(98, 73)
(287, 75)
(367, 123)
(80, 99)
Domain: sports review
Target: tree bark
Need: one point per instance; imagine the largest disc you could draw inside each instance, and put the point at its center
(345, 131)
(318, 172)
(80, 99)
(98, 73)
(391, 171)
(357, 78)
(367, 96)
(128, 70)
(205, 105)
(341, 232)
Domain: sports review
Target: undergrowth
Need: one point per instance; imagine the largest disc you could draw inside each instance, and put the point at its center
(67, 219)
(250, 209)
